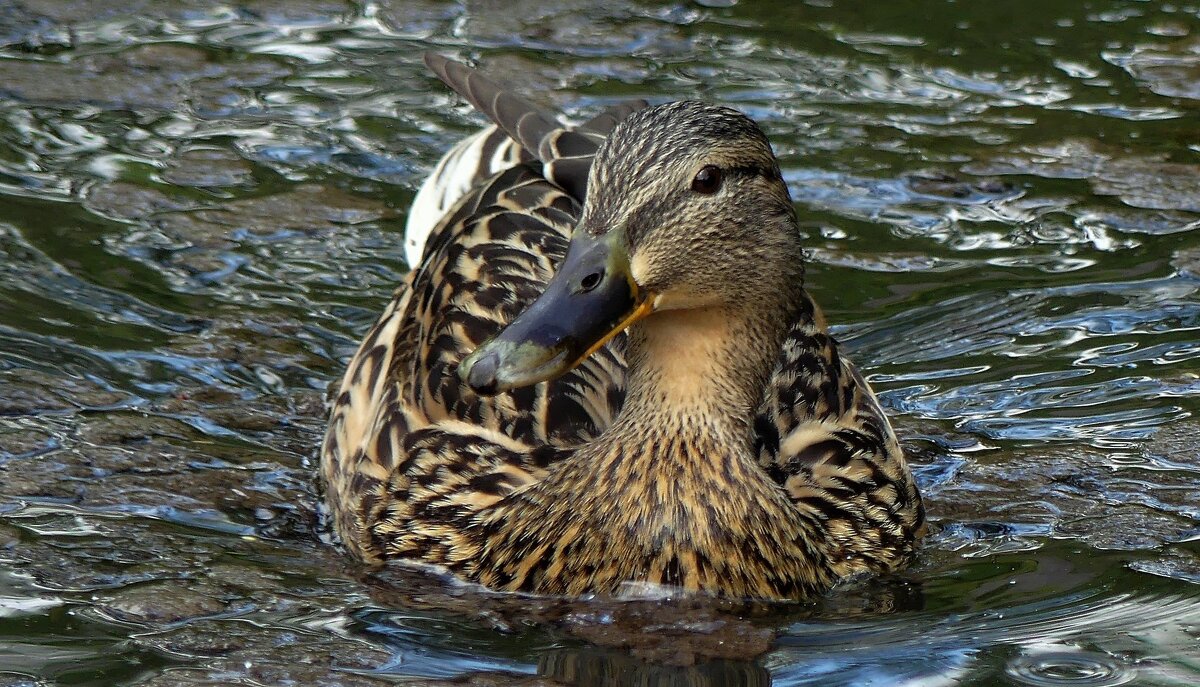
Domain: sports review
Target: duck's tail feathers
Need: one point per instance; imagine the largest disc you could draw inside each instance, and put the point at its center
(565, 153)
(519, 118)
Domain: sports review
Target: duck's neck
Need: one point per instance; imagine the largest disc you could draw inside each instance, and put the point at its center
(701, 373)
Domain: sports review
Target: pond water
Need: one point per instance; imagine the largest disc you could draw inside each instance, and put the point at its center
(201, 209)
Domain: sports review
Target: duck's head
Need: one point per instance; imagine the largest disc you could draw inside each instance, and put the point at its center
(685, 208)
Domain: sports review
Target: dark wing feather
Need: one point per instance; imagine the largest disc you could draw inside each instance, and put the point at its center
(518, 117)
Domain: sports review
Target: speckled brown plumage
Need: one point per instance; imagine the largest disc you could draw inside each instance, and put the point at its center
(736, 452)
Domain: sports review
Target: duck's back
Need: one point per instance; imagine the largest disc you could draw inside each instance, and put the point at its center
(407, 442)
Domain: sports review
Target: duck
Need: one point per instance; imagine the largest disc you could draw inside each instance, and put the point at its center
(603, 372)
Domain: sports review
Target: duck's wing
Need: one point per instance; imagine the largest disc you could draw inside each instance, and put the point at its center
(408, 444)
(523, 133)
(825, 439)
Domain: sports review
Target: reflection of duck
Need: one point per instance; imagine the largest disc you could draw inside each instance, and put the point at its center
(593, 666)
(721, 444)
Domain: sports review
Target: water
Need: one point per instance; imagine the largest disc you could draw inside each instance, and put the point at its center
(200, 212)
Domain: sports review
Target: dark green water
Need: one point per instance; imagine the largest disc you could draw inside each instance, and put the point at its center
(201, 209)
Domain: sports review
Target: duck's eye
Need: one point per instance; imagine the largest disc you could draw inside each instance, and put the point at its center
(707, 180)
(590, 282)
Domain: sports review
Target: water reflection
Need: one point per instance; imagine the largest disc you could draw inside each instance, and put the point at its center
(591, 667)
(1062, 617)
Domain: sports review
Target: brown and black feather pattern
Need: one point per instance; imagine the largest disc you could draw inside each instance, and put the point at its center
(415, 466)
(406, 440)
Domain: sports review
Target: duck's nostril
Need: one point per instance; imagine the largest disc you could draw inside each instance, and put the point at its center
(482, 375)
(591, 281)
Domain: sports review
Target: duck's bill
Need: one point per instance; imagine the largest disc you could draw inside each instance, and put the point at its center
(589, 300)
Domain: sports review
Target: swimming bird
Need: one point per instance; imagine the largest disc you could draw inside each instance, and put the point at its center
(604, 369)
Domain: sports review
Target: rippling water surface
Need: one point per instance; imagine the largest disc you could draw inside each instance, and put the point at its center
(201, 209)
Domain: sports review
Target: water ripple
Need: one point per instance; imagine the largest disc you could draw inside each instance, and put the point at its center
(1062, 669)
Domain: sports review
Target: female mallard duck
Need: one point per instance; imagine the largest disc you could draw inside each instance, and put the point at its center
(496, 422)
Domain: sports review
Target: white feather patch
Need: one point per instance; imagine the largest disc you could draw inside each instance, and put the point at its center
(460, 170)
